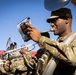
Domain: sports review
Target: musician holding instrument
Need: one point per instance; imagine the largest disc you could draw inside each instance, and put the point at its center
(32, 61)
(29, 62)
(63, 49)
(14, 64)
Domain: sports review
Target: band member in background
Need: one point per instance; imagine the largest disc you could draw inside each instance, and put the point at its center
(13, 45)
(32, 61)
(14, 64)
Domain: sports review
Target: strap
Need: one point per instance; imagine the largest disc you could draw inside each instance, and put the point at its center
(70, 38)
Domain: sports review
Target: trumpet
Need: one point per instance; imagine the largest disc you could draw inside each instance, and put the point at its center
(51, 30)
(18, 49)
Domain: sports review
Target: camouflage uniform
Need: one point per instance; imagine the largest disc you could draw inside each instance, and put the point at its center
(29, 62)
(65, 54)
(17, 67)
(32, 62)
(2, 70)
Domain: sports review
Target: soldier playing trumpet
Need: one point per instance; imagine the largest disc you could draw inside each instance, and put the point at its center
(62, 50)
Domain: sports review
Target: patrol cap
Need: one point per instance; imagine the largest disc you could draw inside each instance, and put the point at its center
(60, 13)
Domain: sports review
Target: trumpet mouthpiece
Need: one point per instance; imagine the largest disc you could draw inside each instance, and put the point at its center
(51, 30)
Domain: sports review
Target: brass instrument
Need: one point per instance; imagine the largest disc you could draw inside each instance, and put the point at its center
(51, 30)
(41, 64)
(17, 55)
(51, 5)
(18, 49)
(14, 53)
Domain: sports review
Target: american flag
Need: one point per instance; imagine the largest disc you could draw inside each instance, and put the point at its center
(9, 41)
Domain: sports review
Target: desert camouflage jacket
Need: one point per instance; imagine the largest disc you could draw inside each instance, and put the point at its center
(18, 66)
(30, 63)
(65, 54)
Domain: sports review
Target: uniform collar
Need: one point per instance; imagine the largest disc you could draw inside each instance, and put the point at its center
(61, 39)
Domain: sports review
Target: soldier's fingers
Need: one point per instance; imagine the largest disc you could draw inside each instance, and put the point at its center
(29, 25)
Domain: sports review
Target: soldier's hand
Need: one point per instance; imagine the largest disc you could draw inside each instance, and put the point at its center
(8, 63)
(23, 50)
(34, 33)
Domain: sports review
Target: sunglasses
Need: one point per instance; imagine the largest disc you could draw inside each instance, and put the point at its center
(53, 20)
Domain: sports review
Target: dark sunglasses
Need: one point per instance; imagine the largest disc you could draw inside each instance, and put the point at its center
(53, 20)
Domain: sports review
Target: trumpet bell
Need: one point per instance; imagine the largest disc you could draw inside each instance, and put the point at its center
(52, 5)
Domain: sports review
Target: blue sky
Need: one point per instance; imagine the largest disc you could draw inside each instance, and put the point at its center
(13, 11)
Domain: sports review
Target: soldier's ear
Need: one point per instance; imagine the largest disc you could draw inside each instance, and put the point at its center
(66, 21)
